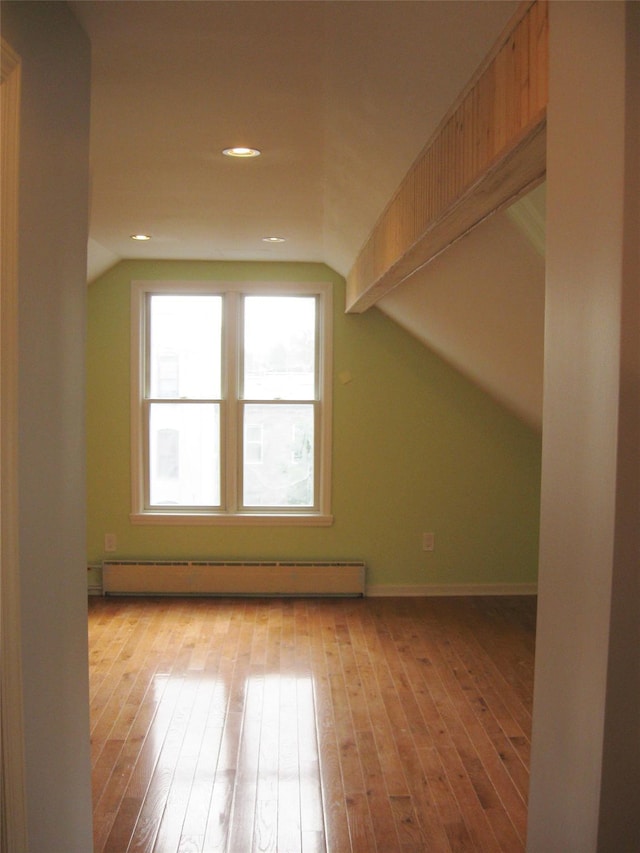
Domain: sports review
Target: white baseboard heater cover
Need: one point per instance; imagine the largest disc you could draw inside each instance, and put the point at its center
(199, 577)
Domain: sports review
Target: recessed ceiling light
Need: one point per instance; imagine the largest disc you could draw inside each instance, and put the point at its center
(241, 153)
(273, 239)
(141, 237)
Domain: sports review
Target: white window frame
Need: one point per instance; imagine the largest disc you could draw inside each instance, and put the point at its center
(232, 514)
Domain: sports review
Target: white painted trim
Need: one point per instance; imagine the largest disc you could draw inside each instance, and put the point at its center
(238, 520)
(321, 516)
(13, 819)
(442, 589)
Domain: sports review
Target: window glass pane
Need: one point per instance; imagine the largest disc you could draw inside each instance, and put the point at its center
(185, 346)
(253, 444)
(284, 475)
(279, 347)
(184, 454)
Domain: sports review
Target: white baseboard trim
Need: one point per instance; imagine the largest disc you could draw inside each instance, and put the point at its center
(433, 589)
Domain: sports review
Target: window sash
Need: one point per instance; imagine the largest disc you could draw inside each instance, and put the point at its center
(249, 382)
(183, 417)
(296, 485)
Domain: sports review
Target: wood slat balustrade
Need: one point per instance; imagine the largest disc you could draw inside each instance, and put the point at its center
(310, 725)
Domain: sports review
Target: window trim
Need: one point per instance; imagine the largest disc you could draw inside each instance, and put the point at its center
(321, 516)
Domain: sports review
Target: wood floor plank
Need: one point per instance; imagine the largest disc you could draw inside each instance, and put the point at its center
(479, 756)
(361, 831)
(381, 806)
(163, 799)
(220, 805)
(324, 659)
(311, 818)
(135, 764)
(423, 799)
(184, 815)
(308, 725)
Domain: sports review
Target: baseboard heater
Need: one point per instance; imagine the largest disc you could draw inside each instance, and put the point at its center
(200, 577)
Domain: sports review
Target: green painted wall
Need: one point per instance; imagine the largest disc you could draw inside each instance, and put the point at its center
(416, 447)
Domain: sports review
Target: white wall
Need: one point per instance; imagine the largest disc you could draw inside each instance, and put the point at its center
(620, 786)
(54, 128)
(585, 772)
(480, 306)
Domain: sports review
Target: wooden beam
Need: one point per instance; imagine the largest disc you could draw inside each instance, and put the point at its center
(489, 149)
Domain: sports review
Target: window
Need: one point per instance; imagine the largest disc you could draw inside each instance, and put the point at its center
(231, 405)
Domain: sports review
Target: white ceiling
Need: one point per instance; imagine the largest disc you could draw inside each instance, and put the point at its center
(340, 97)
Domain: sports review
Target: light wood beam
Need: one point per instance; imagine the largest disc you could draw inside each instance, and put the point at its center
(489, 149)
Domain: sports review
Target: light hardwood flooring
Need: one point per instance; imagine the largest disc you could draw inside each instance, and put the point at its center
(306, 725)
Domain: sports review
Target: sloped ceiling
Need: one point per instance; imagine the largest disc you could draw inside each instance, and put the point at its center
(480, 305)
(339, 96)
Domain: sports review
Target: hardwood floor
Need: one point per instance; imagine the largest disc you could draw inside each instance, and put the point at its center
(311, 725)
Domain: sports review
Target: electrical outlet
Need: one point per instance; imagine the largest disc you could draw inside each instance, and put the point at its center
(110, 542)
(428, 542)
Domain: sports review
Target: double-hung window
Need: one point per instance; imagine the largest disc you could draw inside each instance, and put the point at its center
(231, 403)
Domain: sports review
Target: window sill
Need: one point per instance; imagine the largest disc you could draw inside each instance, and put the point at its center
(239, 520)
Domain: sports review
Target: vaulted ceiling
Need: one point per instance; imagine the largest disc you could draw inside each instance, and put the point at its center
(340, 97)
